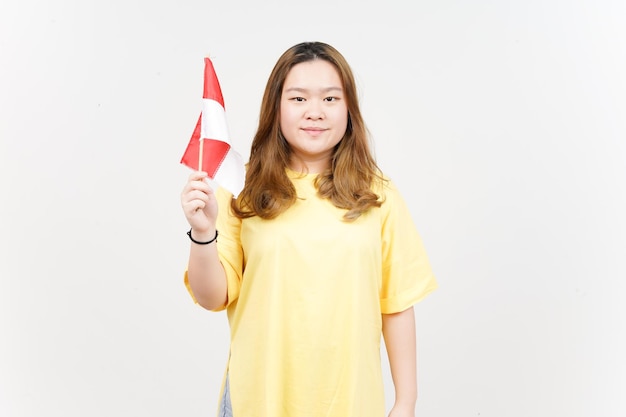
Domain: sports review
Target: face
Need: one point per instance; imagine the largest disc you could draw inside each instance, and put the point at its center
(313, 114)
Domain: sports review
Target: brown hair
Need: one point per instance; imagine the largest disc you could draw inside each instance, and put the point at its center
(347, 183)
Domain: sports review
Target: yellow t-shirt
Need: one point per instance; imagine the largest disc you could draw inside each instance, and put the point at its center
(305, 296)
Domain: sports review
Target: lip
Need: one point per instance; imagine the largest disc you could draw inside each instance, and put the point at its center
(314, 130)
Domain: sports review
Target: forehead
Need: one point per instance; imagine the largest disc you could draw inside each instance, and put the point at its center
(313, 74)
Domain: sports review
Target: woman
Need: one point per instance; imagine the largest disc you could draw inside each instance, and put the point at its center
(317, 257)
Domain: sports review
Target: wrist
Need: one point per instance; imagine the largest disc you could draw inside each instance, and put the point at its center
(204, 237)
(406, 400)
(402, 408)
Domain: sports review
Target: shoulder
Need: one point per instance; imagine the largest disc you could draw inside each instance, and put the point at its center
(223, 196)
(386, 189)
(223, 193)
(393, 204)
(224, 199)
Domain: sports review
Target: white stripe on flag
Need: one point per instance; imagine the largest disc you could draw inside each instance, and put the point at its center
(230, 174)
(213, 121)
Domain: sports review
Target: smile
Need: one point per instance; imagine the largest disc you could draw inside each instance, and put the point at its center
(314, 131)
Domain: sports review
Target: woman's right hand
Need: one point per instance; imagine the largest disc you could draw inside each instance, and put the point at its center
(199, 205)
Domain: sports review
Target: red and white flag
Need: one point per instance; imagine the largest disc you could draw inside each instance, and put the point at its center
(223, 164)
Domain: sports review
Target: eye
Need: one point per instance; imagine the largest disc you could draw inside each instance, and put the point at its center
(331, 99)
(297, 99)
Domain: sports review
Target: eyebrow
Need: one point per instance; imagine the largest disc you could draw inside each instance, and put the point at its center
(304, 90)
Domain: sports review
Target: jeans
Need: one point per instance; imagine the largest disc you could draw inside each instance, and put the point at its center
(225, 407)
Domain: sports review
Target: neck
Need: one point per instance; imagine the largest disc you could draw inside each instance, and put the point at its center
(308, 166)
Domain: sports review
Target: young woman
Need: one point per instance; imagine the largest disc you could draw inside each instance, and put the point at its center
(316, 258)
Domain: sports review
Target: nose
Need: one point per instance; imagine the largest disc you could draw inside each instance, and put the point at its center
(314, 110)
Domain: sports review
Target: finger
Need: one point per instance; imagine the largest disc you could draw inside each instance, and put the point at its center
(198, 176)
(196, 195)
(197, 186)
(191, 207)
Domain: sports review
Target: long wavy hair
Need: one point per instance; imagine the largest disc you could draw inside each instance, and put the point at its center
(347, 182)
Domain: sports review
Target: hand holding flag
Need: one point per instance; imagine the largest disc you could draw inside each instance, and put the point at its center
(209, 148)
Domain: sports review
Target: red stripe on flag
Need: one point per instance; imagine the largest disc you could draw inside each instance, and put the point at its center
(212, 88)
(213, 153)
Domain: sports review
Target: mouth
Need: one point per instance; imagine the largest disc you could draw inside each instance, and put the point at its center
(313, 131)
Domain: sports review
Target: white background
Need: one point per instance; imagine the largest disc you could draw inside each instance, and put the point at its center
(502, 122)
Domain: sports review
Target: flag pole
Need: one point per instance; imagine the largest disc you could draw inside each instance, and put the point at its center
(200, 158)
(201, 153)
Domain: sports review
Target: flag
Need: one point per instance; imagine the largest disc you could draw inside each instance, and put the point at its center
(219, 160)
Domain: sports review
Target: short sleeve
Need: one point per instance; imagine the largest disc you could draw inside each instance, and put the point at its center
(407, 274)
(228, 246)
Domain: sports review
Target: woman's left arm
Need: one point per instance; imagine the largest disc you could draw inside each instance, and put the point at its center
(399, 335)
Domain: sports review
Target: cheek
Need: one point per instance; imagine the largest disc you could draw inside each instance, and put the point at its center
(287, 124)
(287, 116)
(283, 121)
(341, 118)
